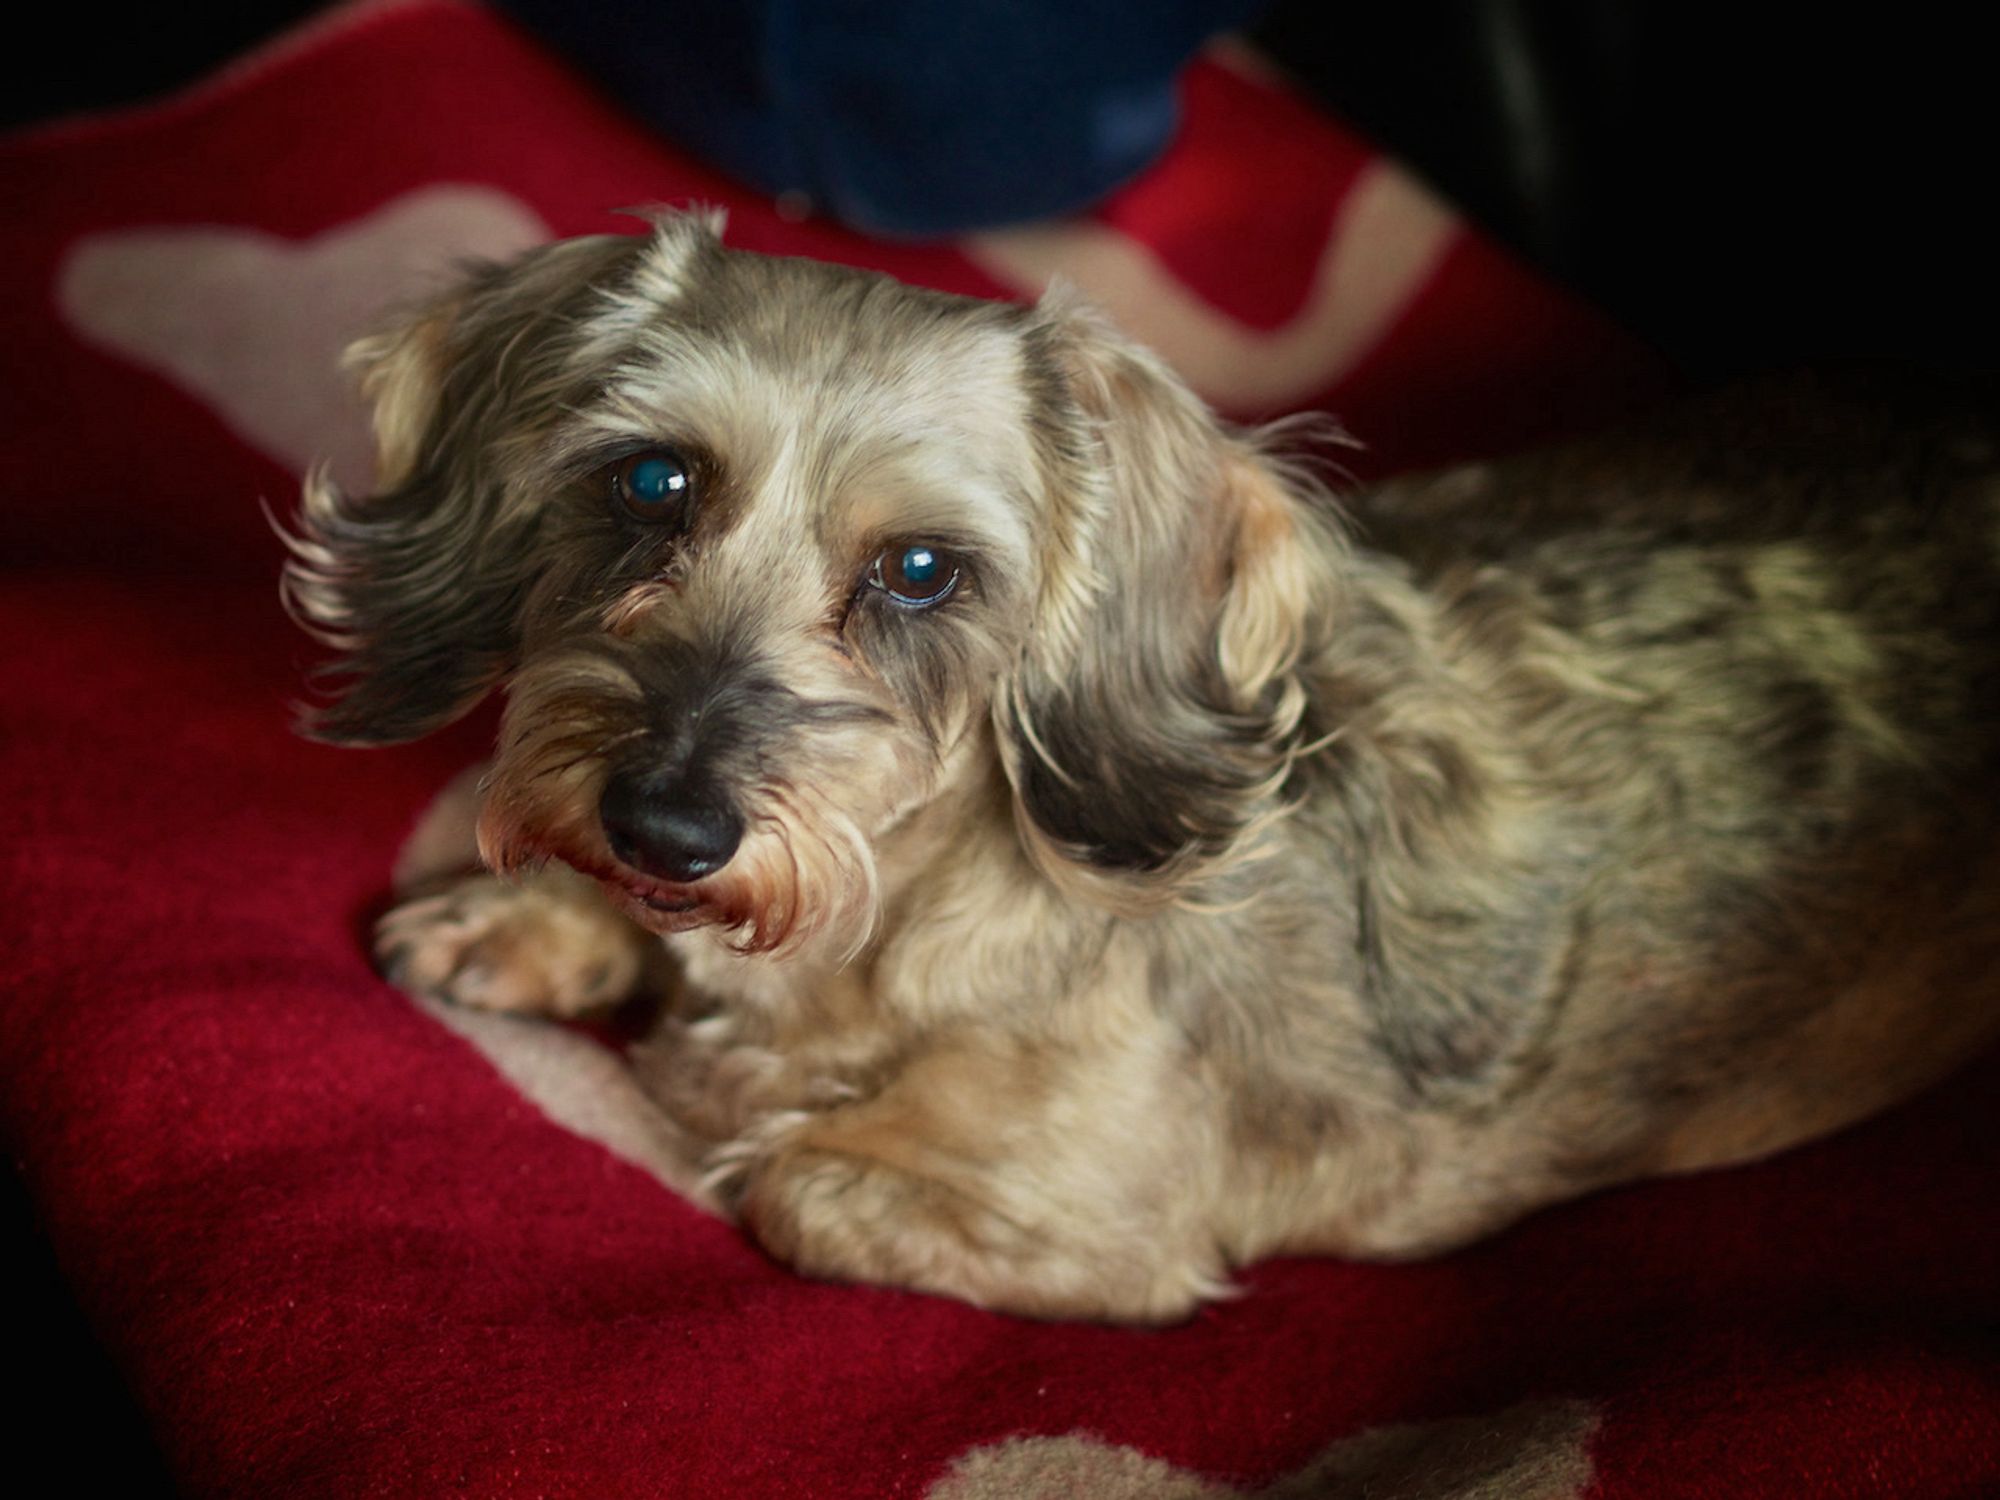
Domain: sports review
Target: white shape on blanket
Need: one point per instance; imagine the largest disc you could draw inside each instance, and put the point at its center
(253, 325)
(1538, 1450)
(1387, 240)
(584, 1087)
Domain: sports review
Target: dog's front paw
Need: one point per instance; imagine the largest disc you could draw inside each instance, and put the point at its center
(544, 947)
(852, 1218)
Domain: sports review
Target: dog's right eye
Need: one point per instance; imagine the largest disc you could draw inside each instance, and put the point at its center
(915, 576)
(654, 486)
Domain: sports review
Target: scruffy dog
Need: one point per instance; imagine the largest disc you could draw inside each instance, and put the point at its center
(1085, 867)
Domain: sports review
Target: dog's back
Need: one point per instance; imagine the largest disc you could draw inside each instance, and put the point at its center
(1751, 647)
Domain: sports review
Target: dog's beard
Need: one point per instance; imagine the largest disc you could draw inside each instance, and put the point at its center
(804, 876)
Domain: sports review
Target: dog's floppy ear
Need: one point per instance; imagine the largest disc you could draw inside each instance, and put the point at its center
(419, 586)
(1153, 715)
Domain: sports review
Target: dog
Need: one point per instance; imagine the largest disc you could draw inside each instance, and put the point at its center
(1090, 859)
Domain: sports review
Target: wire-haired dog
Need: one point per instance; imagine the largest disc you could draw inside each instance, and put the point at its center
(1086, 869)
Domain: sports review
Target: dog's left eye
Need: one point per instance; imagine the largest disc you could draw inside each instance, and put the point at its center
(914, 575)
(653, 486)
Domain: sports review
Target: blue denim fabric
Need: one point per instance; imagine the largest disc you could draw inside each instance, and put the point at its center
(897, 116)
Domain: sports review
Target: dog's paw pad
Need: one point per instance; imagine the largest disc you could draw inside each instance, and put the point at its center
(494, 946)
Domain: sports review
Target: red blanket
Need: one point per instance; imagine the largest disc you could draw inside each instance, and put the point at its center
(340, 1248)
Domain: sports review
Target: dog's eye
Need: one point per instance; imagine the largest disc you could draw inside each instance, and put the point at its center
(653, 486)
(916, 576)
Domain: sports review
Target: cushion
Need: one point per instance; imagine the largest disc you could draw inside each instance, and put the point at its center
(341, 1244)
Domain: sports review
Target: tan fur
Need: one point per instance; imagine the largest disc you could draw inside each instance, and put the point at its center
(1193, 883)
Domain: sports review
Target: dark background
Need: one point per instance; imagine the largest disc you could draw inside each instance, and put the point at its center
(1745, 186)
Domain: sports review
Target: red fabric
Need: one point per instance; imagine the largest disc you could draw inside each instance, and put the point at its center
(337, 1255)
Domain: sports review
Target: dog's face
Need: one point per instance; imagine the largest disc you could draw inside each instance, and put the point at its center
(774, 557)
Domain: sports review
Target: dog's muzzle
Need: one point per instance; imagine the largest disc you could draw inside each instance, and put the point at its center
(670, 822)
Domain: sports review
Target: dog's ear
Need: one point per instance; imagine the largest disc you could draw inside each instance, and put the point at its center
(419, 586)
(1153, 716)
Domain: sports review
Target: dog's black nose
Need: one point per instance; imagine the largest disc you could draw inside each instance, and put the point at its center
(668, 825)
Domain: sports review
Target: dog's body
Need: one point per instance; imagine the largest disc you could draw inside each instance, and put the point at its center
(1086, 869)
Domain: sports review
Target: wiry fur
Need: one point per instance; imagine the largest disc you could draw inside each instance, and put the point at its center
(1194, 884)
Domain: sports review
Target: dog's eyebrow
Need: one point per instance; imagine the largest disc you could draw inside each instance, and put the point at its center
(973, 546)
(838, 711)
(574, 458)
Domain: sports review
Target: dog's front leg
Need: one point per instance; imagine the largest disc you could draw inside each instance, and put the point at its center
(548, 944)
(1031, 1180)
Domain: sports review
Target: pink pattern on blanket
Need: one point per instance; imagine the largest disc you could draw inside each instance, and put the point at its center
(254, 326)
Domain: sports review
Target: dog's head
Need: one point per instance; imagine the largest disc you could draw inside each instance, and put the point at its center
(774, 556)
